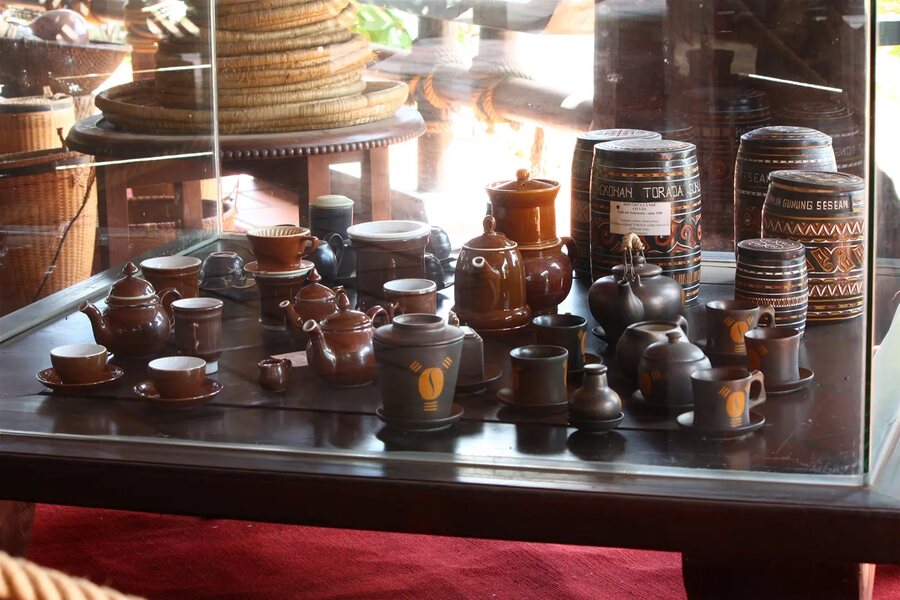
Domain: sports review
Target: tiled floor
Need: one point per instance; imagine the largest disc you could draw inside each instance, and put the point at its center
(260, 203)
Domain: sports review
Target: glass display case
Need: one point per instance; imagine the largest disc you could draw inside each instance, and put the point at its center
(683, 192)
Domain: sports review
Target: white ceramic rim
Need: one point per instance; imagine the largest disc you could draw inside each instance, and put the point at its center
(410, 286)
(331, 201)
(197, 303)
(278, 231)
(166, 263)
(177, 363)
(78, 351)
(394, 229)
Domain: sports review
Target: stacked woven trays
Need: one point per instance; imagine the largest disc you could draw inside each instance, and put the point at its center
(282, 65)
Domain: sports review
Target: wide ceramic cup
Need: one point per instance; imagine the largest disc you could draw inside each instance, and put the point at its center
(179, 272)
(412, 295)
(198, 329)
(281, 248)
(728, 320)
(539, 375)
(776, 352)
(565, 330)
(723, 397)
(79, 363)
(386, 250)
(177, 376)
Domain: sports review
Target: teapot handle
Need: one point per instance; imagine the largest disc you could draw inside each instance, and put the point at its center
(166, 298)
(379, 311)
(683, 323)
(571, 252)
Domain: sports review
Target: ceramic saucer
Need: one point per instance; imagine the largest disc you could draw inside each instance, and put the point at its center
(507, 397)
(422, 425)
(145, 390)
(806, 375)
(253, 269)
(638, 397)
(721, 357)
(50, 379)
(492, 373)
(686, 420)
(596, 426)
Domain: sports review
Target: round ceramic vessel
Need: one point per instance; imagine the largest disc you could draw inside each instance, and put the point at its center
(772, 272)
(835, 120)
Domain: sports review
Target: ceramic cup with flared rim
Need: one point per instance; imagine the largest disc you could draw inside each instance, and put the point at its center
(568, 331)
(728, 320)
(274, 373)
(539, 374)
(723, 397)
(221, 270)
(79, 363)
(198, 329)
(177, 376)
(282, 247)
(412, 295)
(776, 352)
(330, 214)
(179, 272)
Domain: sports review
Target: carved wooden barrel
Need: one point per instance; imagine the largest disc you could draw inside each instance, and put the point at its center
(770, 149)
(836, 120)
(720, 117)
(772, 272)
(582, 159)
(650, 188)
(826, 212)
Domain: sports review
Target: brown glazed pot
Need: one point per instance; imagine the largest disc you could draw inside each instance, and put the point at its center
(136, 321)
(179, 272)
(418, 358)
(314, 301)
(340, 348)
(273, 290)
(664, 372)
(639, 336)
(490, 282)
(274, 373)
(548, 274)
(595, 400)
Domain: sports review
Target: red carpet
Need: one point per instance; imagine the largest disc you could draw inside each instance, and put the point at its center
(164, 557)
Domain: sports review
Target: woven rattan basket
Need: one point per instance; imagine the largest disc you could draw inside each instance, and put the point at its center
(153, 221)
(38, 202)
(29, 124)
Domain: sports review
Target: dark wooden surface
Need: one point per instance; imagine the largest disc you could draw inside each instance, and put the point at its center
(319, 455)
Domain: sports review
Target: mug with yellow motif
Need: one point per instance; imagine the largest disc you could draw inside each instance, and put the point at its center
(723, 397)
(728, 320)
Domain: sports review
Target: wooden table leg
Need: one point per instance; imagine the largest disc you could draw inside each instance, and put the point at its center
(708, 577)
(314, 180)
(15, 526)
(190, 198)
(375, 196)
(112, 196)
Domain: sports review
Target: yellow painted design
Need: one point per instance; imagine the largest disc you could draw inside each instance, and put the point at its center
(582, 340)
(734, 405)
(448, 362)
(737, 332)
(415, 366)
(646, 384)
(431, 383)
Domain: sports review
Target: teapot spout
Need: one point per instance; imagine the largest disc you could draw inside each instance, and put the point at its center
(325, 361)
(293, 319)
(490, 273)
(99, 324)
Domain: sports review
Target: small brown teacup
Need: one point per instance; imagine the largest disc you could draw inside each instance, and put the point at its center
(776, 352)
(722, 397)
(177, 376)
(539, 375)
(79, 363)
(274, 373)
(179, 272)
(412, 295)
(565, 330)
(281, 247)
(728, 320)
(198, 329)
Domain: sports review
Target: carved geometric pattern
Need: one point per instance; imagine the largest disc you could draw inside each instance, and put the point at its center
(812, 229)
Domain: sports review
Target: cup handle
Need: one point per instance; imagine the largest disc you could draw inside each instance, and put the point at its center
(683, 323)
(379, 311)
(166, 298)
(336, 242)
(768, 315)
(195, 344)
(571, 252)
(757, 377)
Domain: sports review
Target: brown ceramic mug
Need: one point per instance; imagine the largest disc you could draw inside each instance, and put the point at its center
(539, 375)
(198, 329)
(179, 272)
(177, 376)
(412, 295)
(723, 397)
(79, 363)
(776, 352)
(728, 320)
(565, 330)
(274, 373)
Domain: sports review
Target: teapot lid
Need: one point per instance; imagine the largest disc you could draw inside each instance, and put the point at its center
(641, 267)
(675, 349)
(523, 183)
(418, 329)
(345, 318)
(490, 239)
(314, 290)
(130, 288)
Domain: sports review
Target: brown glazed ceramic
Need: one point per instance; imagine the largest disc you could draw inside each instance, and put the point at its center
(177, 376)
(595, 400)
(638, 336)
(314, 301)
(836, 120)
(548, 274)
(723, 397)
(282, 247)
(79, 363)
(418, 358)
(539, 375)
(198, 329)
(179, 272)
(665, 369)
(568, 331)
(490, 282)
(136, 321)
(386, 250)
(276, 288)
(274, 373)
(340, 348)
(728, 320)
(411, 295)
(772, 272)
(827, 213)
(776, 352)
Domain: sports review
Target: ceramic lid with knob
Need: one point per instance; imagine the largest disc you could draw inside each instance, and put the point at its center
(675, 349)
(315, 291)
(131, 290)
(345, 318)
(490, 239)
(418, 329)
(523, 182)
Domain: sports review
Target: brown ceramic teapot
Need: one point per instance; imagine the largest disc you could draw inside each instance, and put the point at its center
(136, 321)
(340, 347)
(636, 291)
(490, 282)
(314, 301)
